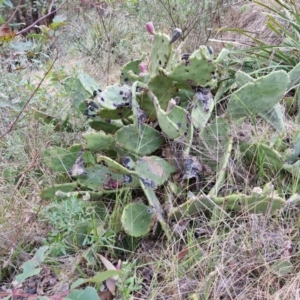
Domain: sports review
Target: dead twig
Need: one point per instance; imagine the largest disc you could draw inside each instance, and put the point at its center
(42, 18)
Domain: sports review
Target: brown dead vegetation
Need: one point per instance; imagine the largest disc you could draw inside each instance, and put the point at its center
(246, 16)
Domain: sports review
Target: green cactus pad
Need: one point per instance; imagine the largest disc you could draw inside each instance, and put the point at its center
(147, 106)
(198, 71)
(133, 66)
(59, 159)
(175, 122)
(259, 201)
(108, 126)
(258, 96)
(154, 168)
(241, 78)
(293, 153)
(88, 83)
(275, 117)
(59, 125)
(97, 141)
(115, 96)
(137, 219)
(88, 157)
(293, 169)
(294, 76)
(118, 113)
(113, 166)
(96, 178)
(199, 116)
(214, 140)
(223, 55)
(76, 92)
(139, 116)
(160, 53)
(204, 52)
(128, 139)
(164, 89)
(84, 195)
(155, 204)
(49, 192)
(264, 156)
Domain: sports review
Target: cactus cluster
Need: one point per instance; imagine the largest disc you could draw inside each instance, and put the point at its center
(167, 100)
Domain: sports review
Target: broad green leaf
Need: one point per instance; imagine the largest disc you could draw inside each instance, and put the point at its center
(8, 3)
(29, 267)
(88, 294)
(76, 91)
(59, 159)
(98, 278)
(88, 83)
(282, 267)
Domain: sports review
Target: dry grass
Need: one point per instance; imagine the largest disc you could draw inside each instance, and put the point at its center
(246, 16)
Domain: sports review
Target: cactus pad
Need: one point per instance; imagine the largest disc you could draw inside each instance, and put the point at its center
(97, 141)
(59, 159)
(115, 96)
(241, 78)
(154, 168)
(202, 110)
(137, 219)
(88, 83)
(258, 96)
(213, 142)
(160, 54)
(97, 178)
(150, 139)
(197, 71)
(108, 126)
(133, 66)
(175, 122)
(259, 201)
(49, 192)
(164, 89)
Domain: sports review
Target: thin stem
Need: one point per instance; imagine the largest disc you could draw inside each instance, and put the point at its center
(41, 18)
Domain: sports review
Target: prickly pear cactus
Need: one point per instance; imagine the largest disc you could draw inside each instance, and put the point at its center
(161, 53)
(197, 70)
(128, 139)
(294, 76)
(133, 66)
(213, 141)
(264, 200)
(137, 219)
(59, 159)
(274, 116)
(97, 141)
(202, 108)
(175, 122)
(115, 96)
(164, 88)
(167, 102)
(49, 193)
(258, 96)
